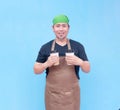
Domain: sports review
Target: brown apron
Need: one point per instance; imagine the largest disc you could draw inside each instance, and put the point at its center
(62, 86)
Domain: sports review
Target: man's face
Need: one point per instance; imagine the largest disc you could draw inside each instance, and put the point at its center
(61, 30)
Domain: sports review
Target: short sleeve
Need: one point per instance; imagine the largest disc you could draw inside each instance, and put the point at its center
(41, 58)
(82, 54)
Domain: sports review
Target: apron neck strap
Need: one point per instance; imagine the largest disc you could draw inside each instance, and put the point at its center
(53, 46)
(68, 44)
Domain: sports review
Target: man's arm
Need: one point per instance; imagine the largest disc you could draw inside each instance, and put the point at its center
(74, 60)
(40, 67)
(85, 65)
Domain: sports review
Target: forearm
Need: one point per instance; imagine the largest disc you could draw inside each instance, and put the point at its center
(39, 67)
(85, 65)
(74, 60)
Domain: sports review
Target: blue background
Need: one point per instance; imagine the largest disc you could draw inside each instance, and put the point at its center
(25, 25)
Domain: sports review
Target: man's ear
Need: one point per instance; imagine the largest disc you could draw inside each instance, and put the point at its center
(68, 25)
(52, 26)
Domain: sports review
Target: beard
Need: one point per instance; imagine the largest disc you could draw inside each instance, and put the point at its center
(61, 37)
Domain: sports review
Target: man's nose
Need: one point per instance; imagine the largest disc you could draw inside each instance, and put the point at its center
(61, 28)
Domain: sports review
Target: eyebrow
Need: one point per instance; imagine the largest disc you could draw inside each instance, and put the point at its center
(61, 24)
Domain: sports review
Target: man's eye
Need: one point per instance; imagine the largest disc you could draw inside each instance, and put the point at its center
(64, 26)
(57, 26)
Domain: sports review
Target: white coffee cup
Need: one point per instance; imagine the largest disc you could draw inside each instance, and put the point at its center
(69, 54)
(55, 54)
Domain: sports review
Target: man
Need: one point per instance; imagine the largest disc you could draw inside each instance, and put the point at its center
(62, 58)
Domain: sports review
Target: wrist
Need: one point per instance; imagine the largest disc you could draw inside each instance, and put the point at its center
(45, 65)
(81, 62)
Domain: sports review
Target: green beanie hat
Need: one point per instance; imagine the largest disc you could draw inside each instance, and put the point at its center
(60, 19)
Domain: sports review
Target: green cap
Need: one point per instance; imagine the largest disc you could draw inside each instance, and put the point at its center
(60, 19)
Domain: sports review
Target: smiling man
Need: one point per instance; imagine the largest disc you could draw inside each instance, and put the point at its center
(62, 58)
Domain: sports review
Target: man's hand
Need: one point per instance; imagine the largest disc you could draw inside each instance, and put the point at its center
(52, 60)
(73, 60)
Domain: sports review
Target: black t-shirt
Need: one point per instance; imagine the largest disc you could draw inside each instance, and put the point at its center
(76, 47)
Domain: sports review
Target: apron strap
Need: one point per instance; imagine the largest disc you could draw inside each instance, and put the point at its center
(53, 46)
(68, 44)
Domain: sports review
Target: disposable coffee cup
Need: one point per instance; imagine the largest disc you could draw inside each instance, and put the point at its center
(69, 54)
(55, 54)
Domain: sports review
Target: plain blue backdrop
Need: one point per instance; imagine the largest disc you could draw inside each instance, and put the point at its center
(25, 25)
